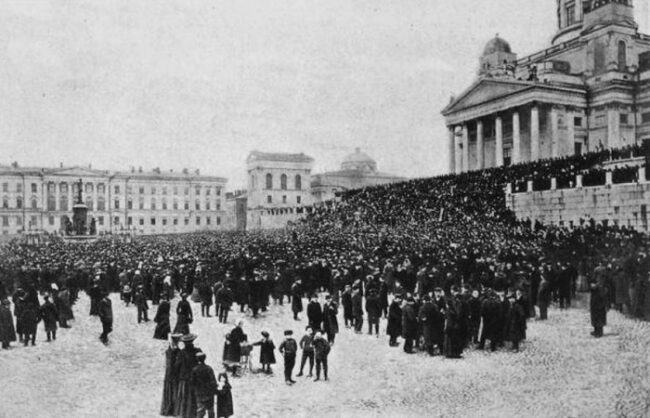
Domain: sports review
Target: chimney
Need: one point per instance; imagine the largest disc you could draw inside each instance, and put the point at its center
(140, 169)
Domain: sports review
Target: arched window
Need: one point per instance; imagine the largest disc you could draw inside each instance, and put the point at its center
(197, 204)
(89, 187)
(63, 203)
(283, 182)
(63, 187)
(19, 202)
(34, 203)
(51, 187)
(269, 181)
(101, 202)
(622, 56)
(153, 204)
(100, 188)
(298, 182)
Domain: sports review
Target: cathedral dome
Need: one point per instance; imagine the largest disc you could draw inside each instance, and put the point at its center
(497, 45)
(359, 161)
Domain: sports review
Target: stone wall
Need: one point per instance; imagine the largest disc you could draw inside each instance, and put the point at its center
(615, 204)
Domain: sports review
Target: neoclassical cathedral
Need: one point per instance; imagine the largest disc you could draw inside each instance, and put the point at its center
(589, 90)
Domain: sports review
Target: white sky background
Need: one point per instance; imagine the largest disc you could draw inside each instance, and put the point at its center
(200, 83)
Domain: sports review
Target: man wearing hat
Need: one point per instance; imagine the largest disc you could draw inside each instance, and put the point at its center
(288, 349)
(184, 316)
(409, 325)
(204, 384)
(105, 312)
(394, 327)
(50, 315)
(140, 302)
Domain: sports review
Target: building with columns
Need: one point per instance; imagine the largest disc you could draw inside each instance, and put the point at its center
(589, 90)
(149, 202)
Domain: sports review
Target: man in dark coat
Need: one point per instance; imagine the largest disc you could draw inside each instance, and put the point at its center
(346, 301)
(453, 346)
(225, 298)
(288, 348)
(62, 301)
(7, 330)
(516, 323)
(544, 297)
(50, 315)
(296, 299)
(409, 325)
(426, 317)
(170, 385)
(140, 302)
(330, 320)
(105, 312)
(314, 313)
(357, 310)
(29, 320)
(598, 308)
(163, 326)
(394, 327)
(321, 351)
(373, 309)
(204, 385)
(474, 305)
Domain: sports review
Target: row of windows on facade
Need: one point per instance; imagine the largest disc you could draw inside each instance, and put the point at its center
(297, 182)
(100, 221)
(101, 204)
(101, 189)
(269, 199)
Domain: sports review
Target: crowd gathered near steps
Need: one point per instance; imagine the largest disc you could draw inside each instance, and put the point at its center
(441, 261)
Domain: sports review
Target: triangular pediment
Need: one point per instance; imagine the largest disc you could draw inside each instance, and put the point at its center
(483, 91)
(77, 171)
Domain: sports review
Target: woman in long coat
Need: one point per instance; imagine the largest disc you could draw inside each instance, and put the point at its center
(598, 308)
(7, 331)
(330, 321)
(232, 347)
(170, 385)
(62, 301)
(184, 316)
(163, 327)
(267, 354)
(394, 327)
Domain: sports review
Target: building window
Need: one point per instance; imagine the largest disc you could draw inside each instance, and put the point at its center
(164, 190)
(141, 203)
(153, 204)
(218, 205)
(197, 205)
(89, 187)
(5, 221)
(197, 190)
(577, 121)
(218, 220)
(298, 199)
(186, 191)
(623, 118)
(186, 205)
(100, 188)
(269, 199)
(19, 221)
(298, 182)
(175, 221)
(5, 203)
(187, 221)
(129, 221)
(19, 188)
(645, 117)
(50, 220)
(218, 191)
(164, 203)
(117, 189)
(5, 187)
(141, 221)
(622, 56)
(198, 220)
(34, 188)
(129, 204)
(283, 182)
(33, 221)
(207, 191)
(100, 220)
(164, 221)
(175, 204)
(51, 202)
(141, 190)
(207, 220)
(129, 189)
(269, 181)
(63, 203)
(63, 188)
(51, 187)
(116, 221)
(207, 205)
(101, 203)
(153, 190)
(19, 202)
(117, 204)
(153, 221)
(284, 199)
(571, 14)
(89, 202)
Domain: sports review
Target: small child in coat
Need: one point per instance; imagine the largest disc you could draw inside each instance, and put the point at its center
(267, 355)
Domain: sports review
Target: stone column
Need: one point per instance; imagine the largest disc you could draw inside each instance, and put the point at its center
(555, 133)
(451, 148)
(613, 128)
(608, 178)
(568, 145)
(498, 151)
(466, 166)
(71, 197)
(579, 181)
(642, 178)
(534, 133)
(480, 159)
(553, 183)
(458, 154)
(57, 196)
(516, 139)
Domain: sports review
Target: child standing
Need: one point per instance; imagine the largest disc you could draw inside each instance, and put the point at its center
(321, 350)
(267, 355)
(306, 344)
(224, 397)
(288, 348)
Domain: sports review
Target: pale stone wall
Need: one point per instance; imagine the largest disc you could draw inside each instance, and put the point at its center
(619, 204)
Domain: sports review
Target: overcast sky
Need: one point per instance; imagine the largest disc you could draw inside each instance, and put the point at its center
(200, 83)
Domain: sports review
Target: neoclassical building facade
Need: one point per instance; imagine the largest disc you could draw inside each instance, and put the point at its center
(589, 90)
(148, 202)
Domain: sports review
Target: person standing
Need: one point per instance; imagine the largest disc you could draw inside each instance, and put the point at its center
(314, 313)
(62, 301)
(357, 310)
(224, 397)
(426, 317)
(296, 299)
(267, 354)
(516, 323)
(394, 327)
(321, 351)
(29, 320)
(409, 325)
(204, 385)
(346, 301)
(598, 305)
(7, 330)
(225, 298)
(50, 316)
(288, 349)
(543, 297)
(105, 312)
(184, 316)
(170, 385)
(373, 309)
(163, 326)
(307, 347)
(186, 360)
(330, 321)
(140, 302)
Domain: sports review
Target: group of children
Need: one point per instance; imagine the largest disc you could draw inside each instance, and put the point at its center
(314, 346)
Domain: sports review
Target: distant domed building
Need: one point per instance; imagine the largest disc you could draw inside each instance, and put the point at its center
(358, 170)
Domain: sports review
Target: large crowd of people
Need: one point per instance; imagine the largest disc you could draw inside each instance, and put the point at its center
(442, 259)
